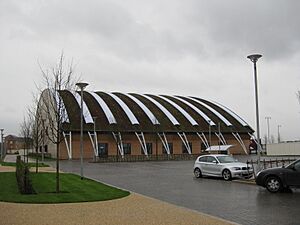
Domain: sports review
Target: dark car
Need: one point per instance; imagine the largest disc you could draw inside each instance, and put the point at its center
(277, 179)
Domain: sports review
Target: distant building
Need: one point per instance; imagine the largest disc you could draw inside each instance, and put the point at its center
(119, 125)
(13, 143)
(289, 148)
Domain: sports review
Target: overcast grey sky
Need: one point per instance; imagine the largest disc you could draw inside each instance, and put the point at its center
(190, 47)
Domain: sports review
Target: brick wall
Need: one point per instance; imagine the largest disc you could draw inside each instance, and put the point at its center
(88, 152)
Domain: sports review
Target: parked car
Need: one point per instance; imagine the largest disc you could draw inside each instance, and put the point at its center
(221, 166)
(277, 179)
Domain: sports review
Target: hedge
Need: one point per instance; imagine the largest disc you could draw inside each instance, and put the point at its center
(23, 177)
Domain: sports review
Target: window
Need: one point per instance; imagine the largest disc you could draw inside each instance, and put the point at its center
(102, 149)
(170, 147)
(203, 159)
(211, 159)
(46, 148)
(184, 149)
(127, 148)
(297, 166)
(149, 149)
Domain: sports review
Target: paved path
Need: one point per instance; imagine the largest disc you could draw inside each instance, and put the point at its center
(132, 210)
(173, 182)
(13, 158)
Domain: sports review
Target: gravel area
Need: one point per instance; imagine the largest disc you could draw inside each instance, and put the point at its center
(132, 210)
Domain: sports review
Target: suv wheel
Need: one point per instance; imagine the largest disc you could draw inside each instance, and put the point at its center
(273, 184)
(226, 175)
(197, 173)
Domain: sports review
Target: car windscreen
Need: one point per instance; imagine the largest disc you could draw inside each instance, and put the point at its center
(292, 164)
(226, 159)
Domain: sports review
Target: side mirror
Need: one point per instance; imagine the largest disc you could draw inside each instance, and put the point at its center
(215, 161)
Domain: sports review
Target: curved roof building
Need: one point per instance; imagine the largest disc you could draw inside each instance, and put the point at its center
(144, 112)
(143, 115)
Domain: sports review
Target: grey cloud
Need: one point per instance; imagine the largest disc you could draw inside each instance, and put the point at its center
(233, 27)
(163, 46)
(215, 28)
(107, 25)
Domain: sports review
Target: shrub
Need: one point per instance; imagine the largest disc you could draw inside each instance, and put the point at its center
(23, 177)
(39, 155)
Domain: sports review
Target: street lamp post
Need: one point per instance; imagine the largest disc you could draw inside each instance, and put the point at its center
(209, 132)
(95, 138)
(278, 134)
(219, 131)
(81, 86)
(268, 130)
(2, 146)
(43, 148)
(254, 59)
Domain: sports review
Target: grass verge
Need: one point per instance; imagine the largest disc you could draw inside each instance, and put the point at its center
(73, 189)
(33, 164)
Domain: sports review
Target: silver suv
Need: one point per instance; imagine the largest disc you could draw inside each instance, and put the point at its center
(221, 166)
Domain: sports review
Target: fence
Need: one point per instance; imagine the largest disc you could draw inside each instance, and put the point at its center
(269, 163)
(138, 158)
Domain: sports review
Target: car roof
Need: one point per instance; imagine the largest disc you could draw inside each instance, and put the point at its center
(213, 155)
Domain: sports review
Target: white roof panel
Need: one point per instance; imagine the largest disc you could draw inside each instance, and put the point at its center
(163, 109)
(125, 108)
(180, 109)
(212, 110)
(202, 114)
(241, 121)
(109, 116)
(146, 110)
(64, 113)
(86, 112)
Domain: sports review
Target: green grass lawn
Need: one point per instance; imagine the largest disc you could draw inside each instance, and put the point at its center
(33, 164)
(73, 189)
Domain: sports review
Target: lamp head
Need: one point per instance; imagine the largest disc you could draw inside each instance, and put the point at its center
(254, 57)
(82, 85)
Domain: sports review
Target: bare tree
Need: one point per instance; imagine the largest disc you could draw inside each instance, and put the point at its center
(26, 133)
(37, 129)
(51, 108)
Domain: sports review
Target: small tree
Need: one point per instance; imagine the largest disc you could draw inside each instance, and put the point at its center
(26, 132)
(37, 129)
(51, 108)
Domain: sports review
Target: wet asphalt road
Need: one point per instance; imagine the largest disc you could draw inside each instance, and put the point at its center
(173, 182)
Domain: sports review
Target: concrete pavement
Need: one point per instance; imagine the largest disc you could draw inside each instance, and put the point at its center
(135, 209)
(173, 182)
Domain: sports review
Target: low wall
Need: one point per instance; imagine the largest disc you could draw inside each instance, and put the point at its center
(284, 148)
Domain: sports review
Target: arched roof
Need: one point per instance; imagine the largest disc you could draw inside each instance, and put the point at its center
(149, 113)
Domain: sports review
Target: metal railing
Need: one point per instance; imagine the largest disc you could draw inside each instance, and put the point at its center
(269, 163)
(141, 158)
